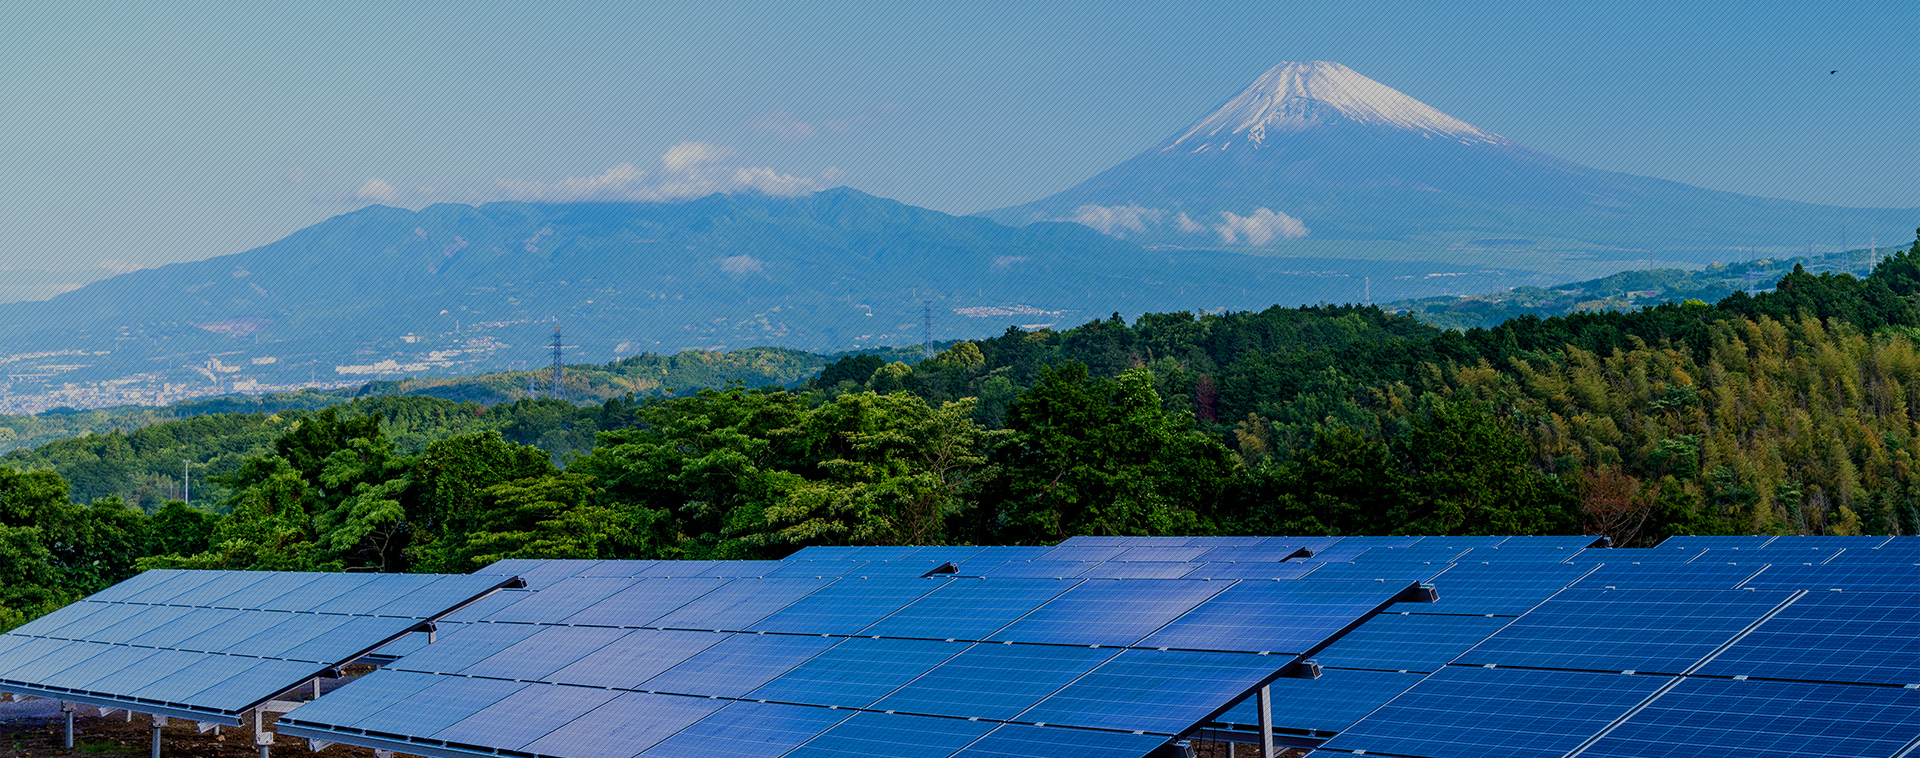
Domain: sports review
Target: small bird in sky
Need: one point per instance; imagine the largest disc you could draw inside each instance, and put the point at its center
(1835, 71)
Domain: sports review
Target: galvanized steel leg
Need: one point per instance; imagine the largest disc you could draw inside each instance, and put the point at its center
(1266, 723)
(66, 709)
(159, 722)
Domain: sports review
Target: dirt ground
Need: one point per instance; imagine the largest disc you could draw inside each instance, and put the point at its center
(34, 729)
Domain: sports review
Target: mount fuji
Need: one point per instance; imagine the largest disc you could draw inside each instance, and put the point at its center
(1316, 159)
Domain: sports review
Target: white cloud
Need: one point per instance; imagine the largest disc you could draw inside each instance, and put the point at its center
(689, 169)
(1186, 224)
(377, 190)
(782, 124)
(1115, 220)
(740, 265)
(1259, 227)
(686, 155)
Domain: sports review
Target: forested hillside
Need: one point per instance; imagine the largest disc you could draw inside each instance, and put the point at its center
(1793, 411)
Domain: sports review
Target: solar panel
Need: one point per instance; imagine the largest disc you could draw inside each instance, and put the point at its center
(1415, 553)
(546, 651)
(1665, 631)
(1714, 542)
(1654, 556)
(192, 656)
(823, 553)
(1155, 691)
(642, 602)
(1332, 703)
(1395, 571)
(1256, 570)
(994, 681)
(626, 569)
(846, 606)
(1472, 712)
(827, 569)
(1727, 717)
(1111, 540)
(1039, 569)
(857, 672)
(1248, 554)
(631, 722)
(1501, 589)
(1108, 611)
(892, 735)
(1138, 570)
(1660, 576)
(1524, 552)
(1281, 617)
(1891, 556)
(527, 715)
(737, 665)
(1027, 741)
(969, 609)
(1160, 554)
(739, 604)
(1848, 577)
(564, 598)
(634, 658)
(1083, 552)
(1397, 642)
(1869, 637)
(748, 730)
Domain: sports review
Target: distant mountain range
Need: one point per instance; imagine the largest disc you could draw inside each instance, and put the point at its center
(1344, 189)
(455, 289)
(1314, 158)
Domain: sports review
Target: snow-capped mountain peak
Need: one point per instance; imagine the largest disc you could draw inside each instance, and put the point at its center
(1295, 97)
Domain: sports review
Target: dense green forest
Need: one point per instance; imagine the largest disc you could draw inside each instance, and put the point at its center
(1792, 411)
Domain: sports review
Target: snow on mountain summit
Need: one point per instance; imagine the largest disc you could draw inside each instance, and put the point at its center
(1294, 97)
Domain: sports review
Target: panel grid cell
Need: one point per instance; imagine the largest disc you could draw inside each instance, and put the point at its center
(1664, 631)
(1728, 717)
(1471, 712)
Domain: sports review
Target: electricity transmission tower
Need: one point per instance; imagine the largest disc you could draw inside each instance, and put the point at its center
(926, 329)
(559, 388)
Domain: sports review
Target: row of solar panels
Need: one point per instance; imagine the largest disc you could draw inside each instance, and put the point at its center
(877, 666)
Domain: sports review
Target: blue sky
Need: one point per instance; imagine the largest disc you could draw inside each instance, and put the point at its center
(141, 137)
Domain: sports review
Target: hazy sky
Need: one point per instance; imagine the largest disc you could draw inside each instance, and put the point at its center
(164, 134)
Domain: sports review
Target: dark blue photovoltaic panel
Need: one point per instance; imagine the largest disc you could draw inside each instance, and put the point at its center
(511, 567)
(1137, 570)
(847, 606)
(1659, 576)
(298, 629)
(892, 735)
(311, 595)
(938, 554)
(182, 686)
(645, 601)
(1162, 692)
(628, 569)
(565, 598)
(748, 730)
(1397, 642)
(549, 650)
(739, 604)
(136, 584)
(994, 554)
(549, 573)
(1722, 717)
(1249, 554)
(681, 569)
(1256, 570)
(1402, 573)
(1826, 543)
(1039, 569)
(1514, 553)
(1416, 553)
(1091, 553)
(195, 622)
(226, 584)
(1544, 540)
(1280, 617)
(361, 698)
(1472, 712)
(175, 585)
(1869, 637)
(1245, 541)
(1654, 556)
(1770, 554)
(441, 705)
(1101, 539)
(1846, 577)
(347, 641)
(253, 685)
(628, 723)
(857, 672)
(466, 646)
(1689, 542)
(1329, 704)
(1109, 611)
(826, 569)
(632, 659)
(1501, 589)
(1664, 631)
(823, 553)
(140, 623)
(1160, 554)
(517, 720)
(1886, 556)
(994, 681)
(1339, 553)
(887, 552)
(384, 589)
(1028, 741)
(968, 609)
(50, 624)
(117, 665)
(1373, 541)
(738, 665)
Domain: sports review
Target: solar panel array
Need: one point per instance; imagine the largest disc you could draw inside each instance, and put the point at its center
(1117, 646)
(212, 645)
(905, 664)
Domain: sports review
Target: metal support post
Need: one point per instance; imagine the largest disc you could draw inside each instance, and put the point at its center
(66, 709)
(383, 754)
(316, 688)
(159, 722)
(262, 738)
(1266, 722)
